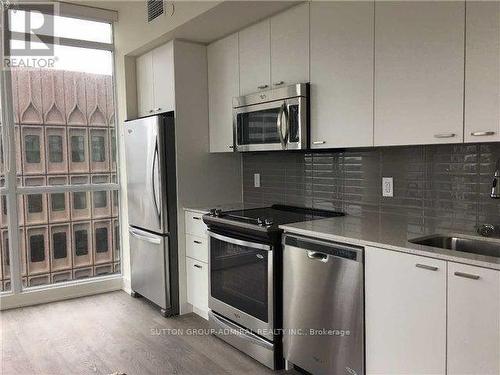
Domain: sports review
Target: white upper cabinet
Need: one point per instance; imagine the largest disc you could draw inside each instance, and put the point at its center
(405, 312)
(163, 78)
(223, 85)
(482, 72)
(290, 46)
(341, 74)
(155, 81)
(473, 320)
(419, 72)
(255, 57)
(144, 76)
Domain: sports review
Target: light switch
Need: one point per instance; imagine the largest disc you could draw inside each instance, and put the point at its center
(387, 187)
(256, 180)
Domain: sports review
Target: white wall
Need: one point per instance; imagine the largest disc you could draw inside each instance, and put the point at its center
(132, 36)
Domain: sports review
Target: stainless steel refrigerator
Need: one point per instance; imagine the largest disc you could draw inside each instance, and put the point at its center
(152, 210)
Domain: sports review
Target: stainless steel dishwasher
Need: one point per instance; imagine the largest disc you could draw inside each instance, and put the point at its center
(323, 306)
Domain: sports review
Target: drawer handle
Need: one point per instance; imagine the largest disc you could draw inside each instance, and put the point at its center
(198, 242)
(481, 134)
(196, 218)
(279, 83)
(426, 267)
(444, 135)
(198, 266)
(319, 142)
(467, 275)
(261, 87)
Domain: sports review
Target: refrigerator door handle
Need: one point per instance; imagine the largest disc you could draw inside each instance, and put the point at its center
(153, 180)
(141, 236)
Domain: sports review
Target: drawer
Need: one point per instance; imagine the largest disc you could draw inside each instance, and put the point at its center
(197, 283)
(195, 225)
(197, 247)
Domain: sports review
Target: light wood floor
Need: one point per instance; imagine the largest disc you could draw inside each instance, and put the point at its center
(110, 333)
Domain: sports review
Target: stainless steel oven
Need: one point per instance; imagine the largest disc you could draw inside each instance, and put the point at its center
(241, 282)
(272, 120)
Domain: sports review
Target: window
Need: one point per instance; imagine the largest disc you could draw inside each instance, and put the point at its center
(55, 149)
(37, 248)
(101, 240)
(81, 243)
(32, 145)
(35, 204)
(100, 199)
(60, 245)
(79, 200)
(62, 135)
(58, 203)
(98, 150)
(77, 149)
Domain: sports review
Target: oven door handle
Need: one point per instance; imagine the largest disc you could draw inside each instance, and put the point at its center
(235, 241)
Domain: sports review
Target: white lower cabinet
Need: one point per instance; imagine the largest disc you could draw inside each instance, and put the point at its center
(473, 320)
(197, 284)
(405, 313)
(197, 262)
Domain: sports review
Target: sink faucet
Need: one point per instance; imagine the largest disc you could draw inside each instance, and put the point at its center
(495, 188)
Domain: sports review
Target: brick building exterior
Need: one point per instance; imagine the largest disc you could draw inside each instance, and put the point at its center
(65, 134)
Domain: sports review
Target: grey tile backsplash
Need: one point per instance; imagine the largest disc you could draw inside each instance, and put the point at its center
(449, 184)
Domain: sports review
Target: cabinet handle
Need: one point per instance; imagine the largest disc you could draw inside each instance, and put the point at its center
(261, 87)
(444, 135)
(198, 266)
(158, 109)
(319, 142)
(279, 83)
(196, 218)
(151, 111)
(426, 267)
(481, 134)
(198, 242)
(467, 275)
(231, 147)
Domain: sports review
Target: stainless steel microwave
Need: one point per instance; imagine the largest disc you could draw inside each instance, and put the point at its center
(272, 120)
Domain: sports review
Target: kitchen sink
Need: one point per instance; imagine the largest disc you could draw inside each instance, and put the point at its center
(462, 244)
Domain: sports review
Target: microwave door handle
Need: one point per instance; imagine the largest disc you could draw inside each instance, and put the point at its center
(279, 124)
(287, 124)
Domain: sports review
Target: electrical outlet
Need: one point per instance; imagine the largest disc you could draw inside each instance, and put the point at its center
(387, 187)
(256, 180)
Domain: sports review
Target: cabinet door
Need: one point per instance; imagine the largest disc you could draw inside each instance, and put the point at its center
(290, 46)
(473, 320)
(419, 72)
(255, 59)
(144, 76)
(341, 74)
(223, 85)
(197, 283)
(482, 72)
(163, 78)
(405, 313)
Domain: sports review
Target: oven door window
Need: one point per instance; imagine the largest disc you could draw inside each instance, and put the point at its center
(239, 277)
(258, 127)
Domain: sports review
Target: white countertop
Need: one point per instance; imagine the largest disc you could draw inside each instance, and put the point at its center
(391, 232)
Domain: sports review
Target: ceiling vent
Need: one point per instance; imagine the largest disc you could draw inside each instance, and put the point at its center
(155, 9)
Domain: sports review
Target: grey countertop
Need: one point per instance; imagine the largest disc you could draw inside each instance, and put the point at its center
(391, 232)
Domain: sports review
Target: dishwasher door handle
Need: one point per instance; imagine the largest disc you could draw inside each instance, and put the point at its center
(317, 256)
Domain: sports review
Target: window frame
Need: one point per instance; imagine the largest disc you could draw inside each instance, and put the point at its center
(12, 191)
